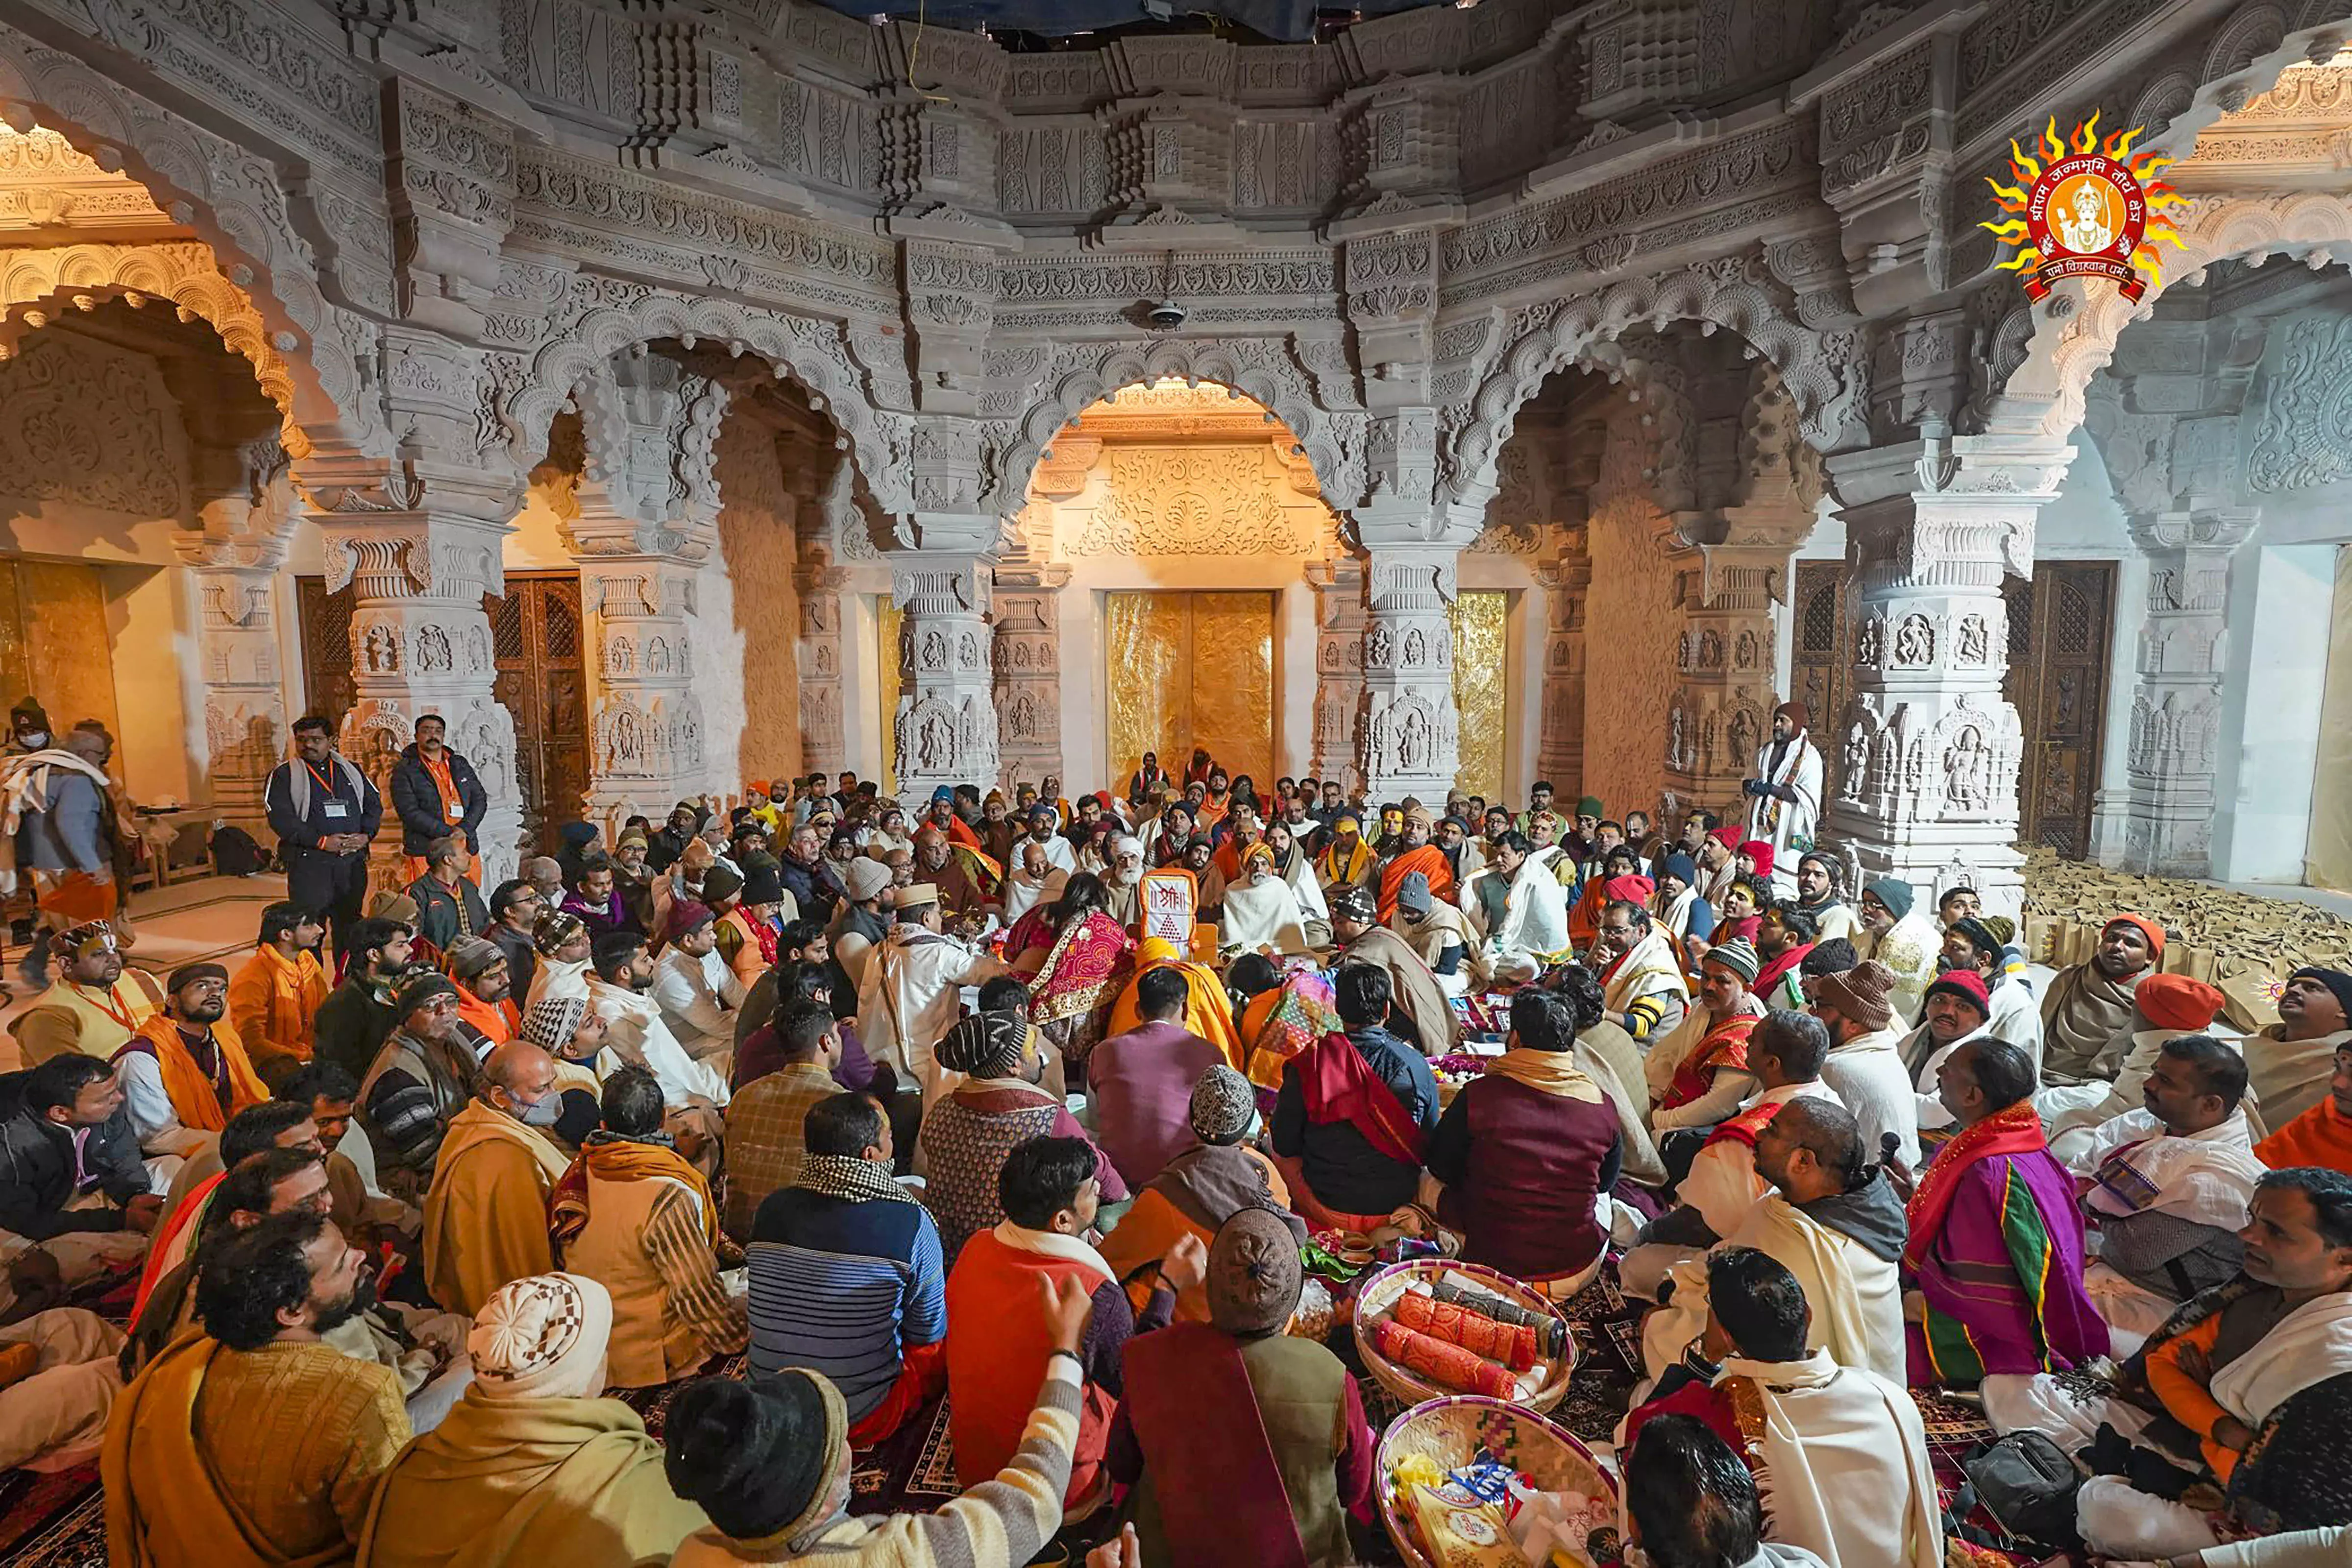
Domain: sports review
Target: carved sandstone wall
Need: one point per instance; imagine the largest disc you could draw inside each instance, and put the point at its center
(1630, 631)
(750, 612)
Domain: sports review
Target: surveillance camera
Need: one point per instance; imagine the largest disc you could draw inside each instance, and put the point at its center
(1167, 316)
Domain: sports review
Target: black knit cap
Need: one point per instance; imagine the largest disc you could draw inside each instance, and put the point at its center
(762, 884)
(759, 1455)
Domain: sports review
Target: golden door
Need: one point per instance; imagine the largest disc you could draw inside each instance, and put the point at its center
(1186, 670)
(1481, 689)
(54, 643)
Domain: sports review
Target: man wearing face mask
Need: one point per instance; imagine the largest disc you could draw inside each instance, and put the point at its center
(486, 1213)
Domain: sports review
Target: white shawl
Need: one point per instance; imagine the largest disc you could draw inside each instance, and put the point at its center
(2138, 1167)
(1261, 913)
(1650, 968)
(1534, 913)
(2310, 1345)
(1024, 892)
(1841, 1463)
(1789, 826)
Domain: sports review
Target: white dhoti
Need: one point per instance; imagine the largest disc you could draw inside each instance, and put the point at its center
(55, 1418)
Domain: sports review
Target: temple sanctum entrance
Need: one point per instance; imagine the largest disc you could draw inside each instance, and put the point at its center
(1182, 670)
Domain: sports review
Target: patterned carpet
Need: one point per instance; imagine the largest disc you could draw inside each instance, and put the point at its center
(55, 1521)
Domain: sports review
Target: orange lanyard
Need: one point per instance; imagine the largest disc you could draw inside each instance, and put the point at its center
(105, 1003)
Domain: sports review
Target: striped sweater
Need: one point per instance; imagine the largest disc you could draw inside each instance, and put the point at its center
(1001, 1523)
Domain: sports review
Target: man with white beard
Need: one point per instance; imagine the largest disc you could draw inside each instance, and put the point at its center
(1123, 886)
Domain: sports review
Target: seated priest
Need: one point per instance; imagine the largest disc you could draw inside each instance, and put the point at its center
(1995, 1241)
(847, 1275)
(1209, 1181)
(1243, 1443)
(1527, 1154)
(639, 1220)
(2164, 1007)
(2253, 1385)
(2320, 1135)
(1833, 1221)
(1839, 1449)
(2087, 1019)
(2166, 1188)
(1354, 1113)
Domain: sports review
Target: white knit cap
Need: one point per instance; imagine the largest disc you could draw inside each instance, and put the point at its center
(542, 1337)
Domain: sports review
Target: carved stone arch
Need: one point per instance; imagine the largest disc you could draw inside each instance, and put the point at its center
(2072, 342)
(232, 200)
(1074, 376)
(813, 353)
(37, 285)
(1826, 373)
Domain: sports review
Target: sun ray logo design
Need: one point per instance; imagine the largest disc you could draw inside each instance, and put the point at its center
(2086, 208)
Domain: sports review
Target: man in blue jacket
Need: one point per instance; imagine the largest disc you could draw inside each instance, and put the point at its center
(325, 813)
(436, 794)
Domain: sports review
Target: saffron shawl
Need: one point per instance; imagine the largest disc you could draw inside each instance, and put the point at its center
(617, 1160)
(1428, 860)
(1083, 970)
(195, 1098)
(1338, 1085)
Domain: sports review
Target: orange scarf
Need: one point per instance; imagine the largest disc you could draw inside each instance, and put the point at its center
(194, 1101)
(2320, 1136)
(1428, 860)
(617, 1160)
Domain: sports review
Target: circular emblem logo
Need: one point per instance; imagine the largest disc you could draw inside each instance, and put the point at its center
(2087, 214)
(2084, 208)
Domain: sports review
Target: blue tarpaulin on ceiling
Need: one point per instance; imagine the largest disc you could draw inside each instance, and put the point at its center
(1289, 21)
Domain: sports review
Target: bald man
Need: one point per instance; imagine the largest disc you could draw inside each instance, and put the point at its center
(486, 1213)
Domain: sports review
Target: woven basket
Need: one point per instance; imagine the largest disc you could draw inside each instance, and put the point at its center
(1453, 1429)
(1377, 1293)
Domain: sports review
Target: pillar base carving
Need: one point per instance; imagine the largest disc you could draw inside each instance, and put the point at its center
(945, 723)
(1409, 739)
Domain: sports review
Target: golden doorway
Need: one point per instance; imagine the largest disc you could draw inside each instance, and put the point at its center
(888, 618)
(1481, 689)
(1186, 670)
(54, 643)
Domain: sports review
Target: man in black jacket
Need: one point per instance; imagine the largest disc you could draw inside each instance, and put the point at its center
(325, 814)
(515, 907)
(71, 1178)
(436, 793)
(359, 1015)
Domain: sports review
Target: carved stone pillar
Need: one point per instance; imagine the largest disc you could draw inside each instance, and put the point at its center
(647, 523)
(1410, 739)
(945, 724)
(1028, 659)
(237, 637)
(418, 540)
(1929, 745)
(2166, 818)
(421, 643)
(1338, 666)
(1560, 756)
(245, 507)
(822, 746)
(1723, 708)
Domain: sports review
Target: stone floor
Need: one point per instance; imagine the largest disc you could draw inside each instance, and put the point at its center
(214, 917)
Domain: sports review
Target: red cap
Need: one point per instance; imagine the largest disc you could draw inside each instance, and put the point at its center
(1966, 984)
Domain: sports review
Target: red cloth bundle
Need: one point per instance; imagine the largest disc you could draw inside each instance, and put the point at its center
(1450, 1364)
(1513, 1344)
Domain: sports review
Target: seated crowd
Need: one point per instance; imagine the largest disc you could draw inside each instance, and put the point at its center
(822, 1111)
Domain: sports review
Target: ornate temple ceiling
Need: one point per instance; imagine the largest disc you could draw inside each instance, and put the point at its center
(1277, 21)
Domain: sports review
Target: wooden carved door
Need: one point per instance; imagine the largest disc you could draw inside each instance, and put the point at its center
(2059, 628)
(542, 681)
(1821, 665)
(327, 688)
